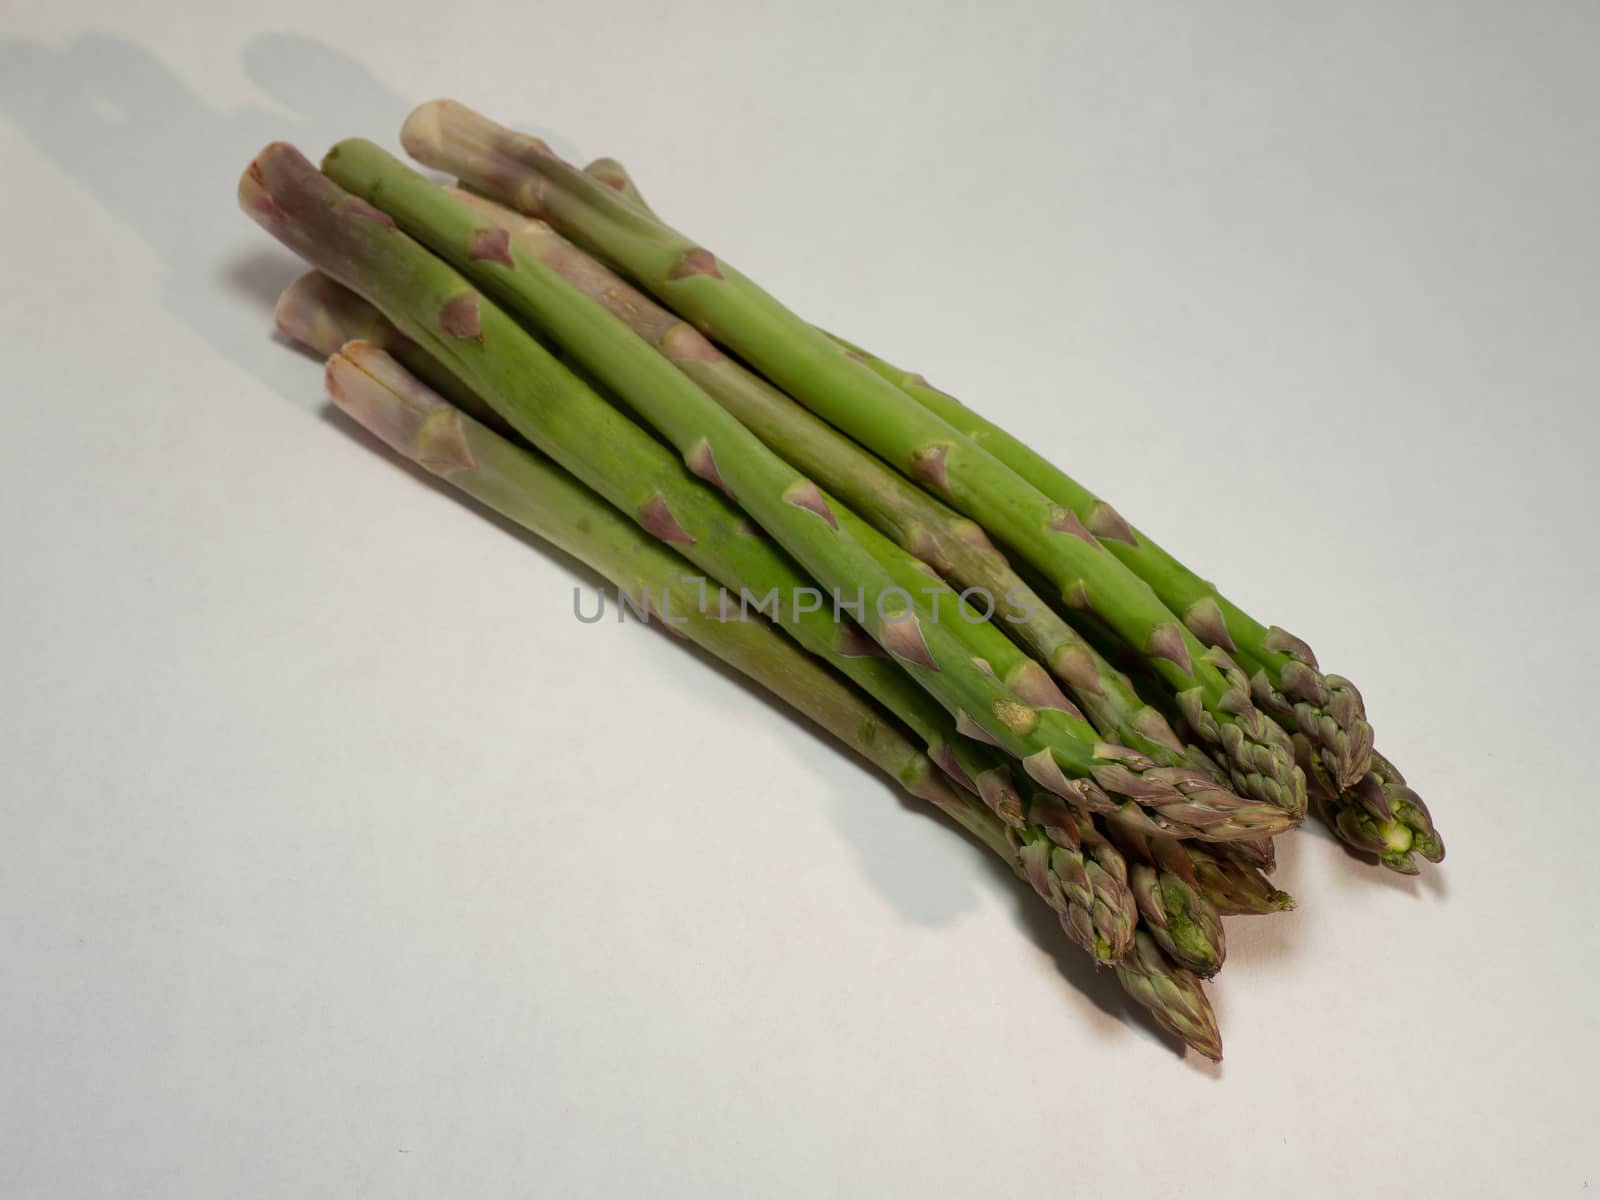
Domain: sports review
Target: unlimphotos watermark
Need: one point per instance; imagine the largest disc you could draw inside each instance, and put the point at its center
(693, 594)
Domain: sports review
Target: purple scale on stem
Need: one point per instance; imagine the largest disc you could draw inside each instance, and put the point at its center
(458, 317)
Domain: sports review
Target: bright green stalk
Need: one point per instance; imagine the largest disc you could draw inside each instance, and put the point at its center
(438, 311)
(1285, 681)
(952, 544)
(840, 552)
(828, 380)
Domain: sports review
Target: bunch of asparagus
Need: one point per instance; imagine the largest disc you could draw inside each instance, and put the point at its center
(1125, 737)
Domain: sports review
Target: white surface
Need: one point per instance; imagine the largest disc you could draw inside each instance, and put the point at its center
(340, 861)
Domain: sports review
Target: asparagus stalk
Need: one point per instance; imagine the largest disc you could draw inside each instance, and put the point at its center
(1178, 914)
(950, 543)
(689, 279)
(1179, 918)
(1082, 876)
(1229, 885)
(322, 316)
(374, 389)
(1261, 854)
(1380, 815)
(438, 311)
(1235, 888)
(1173, 996)
(1027, 679)
(1231, 879)
(615, 176)
(839, 551)
(1285, 681)
(953, 545)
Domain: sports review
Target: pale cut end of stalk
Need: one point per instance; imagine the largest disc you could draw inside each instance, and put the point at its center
(449, 136)
(398, 409)
(323, 315)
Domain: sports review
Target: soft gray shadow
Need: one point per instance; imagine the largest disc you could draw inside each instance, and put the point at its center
(163, 162)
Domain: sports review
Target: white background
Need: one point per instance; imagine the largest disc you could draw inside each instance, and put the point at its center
(340, 861)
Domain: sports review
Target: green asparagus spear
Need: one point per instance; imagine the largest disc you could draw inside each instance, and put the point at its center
(438, 311)
(805, 363)
(1229, 875)
(1173, 995)
(952, 544)
(1234, 888)
(1379, 815)
(1260, 854)
(1285, 680)
(408, 416)
(1231, 879)
(840, 552)
(290, 210)
(322, 316)
(310, 213)
(1079, 871)
(1181, 920)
